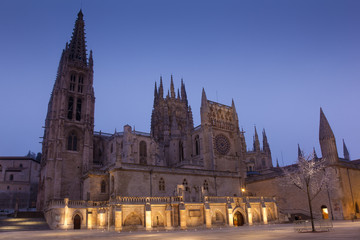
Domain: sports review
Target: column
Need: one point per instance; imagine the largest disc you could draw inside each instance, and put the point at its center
(229, 211)
(148, 220)
(182, 211)
(66, 210)
(168, 217)
(118, 218)
(249, 213)
(207, 216)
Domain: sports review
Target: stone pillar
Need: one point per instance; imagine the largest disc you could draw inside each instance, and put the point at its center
(66, 210)
(89, 219)
(182, 211)
(275, 209)
(207, 214)
(148, 220)
(168, 211)
(118, 218)
(249, 213)
(229, 212)
(101, 218)
(264, 211)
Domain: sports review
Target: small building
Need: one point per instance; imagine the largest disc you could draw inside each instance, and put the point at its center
(19, 178)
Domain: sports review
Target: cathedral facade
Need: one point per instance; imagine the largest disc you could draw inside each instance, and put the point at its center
(177, 175)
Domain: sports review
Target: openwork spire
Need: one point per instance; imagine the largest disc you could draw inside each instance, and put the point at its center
(77, 46)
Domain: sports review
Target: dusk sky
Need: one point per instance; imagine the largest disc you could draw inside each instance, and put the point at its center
(279, 60)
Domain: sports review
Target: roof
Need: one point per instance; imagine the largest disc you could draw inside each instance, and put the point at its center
(10, 158)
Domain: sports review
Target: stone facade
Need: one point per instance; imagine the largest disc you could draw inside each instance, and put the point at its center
(19, 178)
(341, 201)
(178, 163)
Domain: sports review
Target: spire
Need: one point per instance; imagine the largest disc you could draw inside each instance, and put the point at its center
(300, 154)
(277, 163)
(91, 61)
(233, 105)
(203, 98)
(325, 129)
(314, 154)
(155, 94)
(161, 89)
(266, 146)
(256, 141)
(178, 94)
(77, 46)
(172, 89)
(346, 152)
(183, 92)
(327, 140)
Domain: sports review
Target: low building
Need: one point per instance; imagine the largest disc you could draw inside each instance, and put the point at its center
(19, 178)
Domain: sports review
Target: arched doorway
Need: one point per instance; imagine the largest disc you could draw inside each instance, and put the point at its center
(77, 222)
(238, 219)
(324, 212)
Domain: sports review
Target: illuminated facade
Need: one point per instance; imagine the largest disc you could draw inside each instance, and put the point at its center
(177, 175)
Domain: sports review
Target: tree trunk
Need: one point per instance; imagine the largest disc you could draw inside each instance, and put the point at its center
(310, 207)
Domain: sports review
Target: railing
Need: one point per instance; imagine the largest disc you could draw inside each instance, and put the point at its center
(197, 127)
(77, 203)
(305, 225)
(142, 133)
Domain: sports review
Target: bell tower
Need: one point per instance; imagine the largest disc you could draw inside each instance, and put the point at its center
(67, 148)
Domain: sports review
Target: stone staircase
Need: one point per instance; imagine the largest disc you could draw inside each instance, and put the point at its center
(24, 221)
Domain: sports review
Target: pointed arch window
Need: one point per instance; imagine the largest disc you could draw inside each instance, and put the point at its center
(80, 84)
(103, 186)
(78, 109)
(72, 142)
(112, 184)
(197, 145)
(185, 183)
(181, 151)
(11, 177)
(72, 82)
(70, 108)
(161, 185)
(142, 150)
(206, 185)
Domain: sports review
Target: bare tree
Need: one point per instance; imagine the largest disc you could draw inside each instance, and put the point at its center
(310, 175)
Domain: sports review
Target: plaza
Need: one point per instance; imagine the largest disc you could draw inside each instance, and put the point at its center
(341, 230)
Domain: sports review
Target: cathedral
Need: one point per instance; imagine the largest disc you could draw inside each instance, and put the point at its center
(176, 176)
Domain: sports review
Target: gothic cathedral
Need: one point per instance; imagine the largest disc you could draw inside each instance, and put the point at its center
(177, 175)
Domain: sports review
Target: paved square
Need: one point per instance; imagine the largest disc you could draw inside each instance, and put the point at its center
(342, 230)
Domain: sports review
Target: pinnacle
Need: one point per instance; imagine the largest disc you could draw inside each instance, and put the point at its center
(325, 129)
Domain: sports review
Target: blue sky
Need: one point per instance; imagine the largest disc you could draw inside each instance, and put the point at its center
(279, 60)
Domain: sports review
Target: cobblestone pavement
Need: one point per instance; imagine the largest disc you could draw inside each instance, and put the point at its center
(342, 230)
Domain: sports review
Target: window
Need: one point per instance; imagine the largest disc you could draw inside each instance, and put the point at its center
(206, 186)
(8, 187)
(70, 108)
(78, 109)
(111, 148)
(181, 151)
(142, 151)
(112, 184)
(103, 186)
(161, 184)
(81, 83)
(21, 165)
(185, 183)
(11, 177)
(263, 162)
(72, 142)
(197, 145)
(72, 82)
